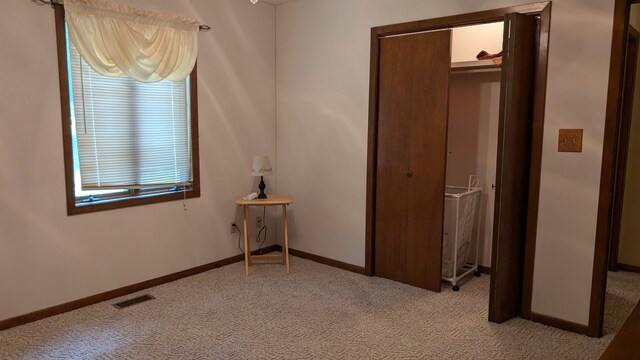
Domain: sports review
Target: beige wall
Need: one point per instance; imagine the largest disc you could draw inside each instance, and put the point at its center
(48, 258)
(320, 138)
(629, 251)
(322, 104)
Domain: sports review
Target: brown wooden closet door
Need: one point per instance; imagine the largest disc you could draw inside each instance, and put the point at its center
(412, 123)
(513, 166)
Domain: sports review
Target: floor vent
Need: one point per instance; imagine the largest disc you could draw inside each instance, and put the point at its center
(134, 301)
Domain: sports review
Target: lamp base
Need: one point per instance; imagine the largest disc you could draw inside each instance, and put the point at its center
(262, 186)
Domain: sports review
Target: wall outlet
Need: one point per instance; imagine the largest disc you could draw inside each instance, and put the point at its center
(234, 229)
(259, 222)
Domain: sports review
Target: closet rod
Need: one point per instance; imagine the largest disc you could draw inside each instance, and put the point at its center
(201, 27)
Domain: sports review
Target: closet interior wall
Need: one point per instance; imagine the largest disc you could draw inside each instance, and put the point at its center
(472, 143)
(474, 111)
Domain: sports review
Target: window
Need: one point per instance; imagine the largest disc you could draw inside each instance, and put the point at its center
(126, 142)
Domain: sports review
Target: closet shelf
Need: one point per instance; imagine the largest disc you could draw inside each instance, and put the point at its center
(477, 66)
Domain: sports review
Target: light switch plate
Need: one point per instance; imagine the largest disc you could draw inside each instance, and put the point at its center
(570, 140)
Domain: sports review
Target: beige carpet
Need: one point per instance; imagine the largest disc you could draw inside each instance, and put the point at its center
(316, 312)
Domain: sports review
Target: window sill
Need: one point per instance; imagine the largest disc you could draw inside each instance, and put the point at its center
(74, 208)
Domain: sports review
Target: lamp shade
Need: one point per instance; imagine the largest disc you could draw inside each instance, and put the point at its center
(261, 166)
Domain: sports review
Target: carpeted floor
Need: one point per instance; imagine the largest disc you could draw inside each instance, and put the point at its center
(315, 312)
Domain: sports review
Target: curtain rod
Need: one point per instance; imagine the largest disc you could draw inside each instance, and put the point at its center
(201, 27)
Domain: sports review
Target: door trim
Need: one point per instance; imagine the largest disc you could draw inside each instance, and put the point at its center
(609, 157)
(622, 145)
(543, 10)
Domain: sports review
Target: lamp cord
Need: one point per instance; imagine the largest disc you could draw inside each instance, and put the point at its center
(263, 230)
(239, 237)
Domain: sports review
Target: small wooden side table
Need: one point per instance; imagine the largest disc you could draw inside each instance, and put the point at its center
(271, 200)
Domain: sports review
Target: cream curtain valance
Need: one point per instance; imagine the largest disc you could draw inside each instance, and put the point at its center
(116, 39)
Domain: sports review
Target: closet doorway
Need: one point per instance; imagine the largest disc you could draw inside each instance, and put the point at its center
(407, 153)
(616, 245)
(626, 199)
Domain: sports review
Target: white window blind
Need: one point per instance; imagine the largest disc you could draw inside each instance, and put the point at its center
(130, 134)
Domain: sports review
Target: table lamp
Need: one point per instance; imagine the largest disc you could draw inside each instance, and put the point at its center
(262, 168)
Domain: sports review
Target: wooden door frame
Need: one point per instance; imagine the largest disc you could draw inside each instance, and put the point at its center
(609, 159)
(543, 9)
(622, 145)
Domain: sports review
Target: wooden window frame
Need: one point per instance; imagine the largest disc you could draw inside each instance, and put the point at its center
(135, 198)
